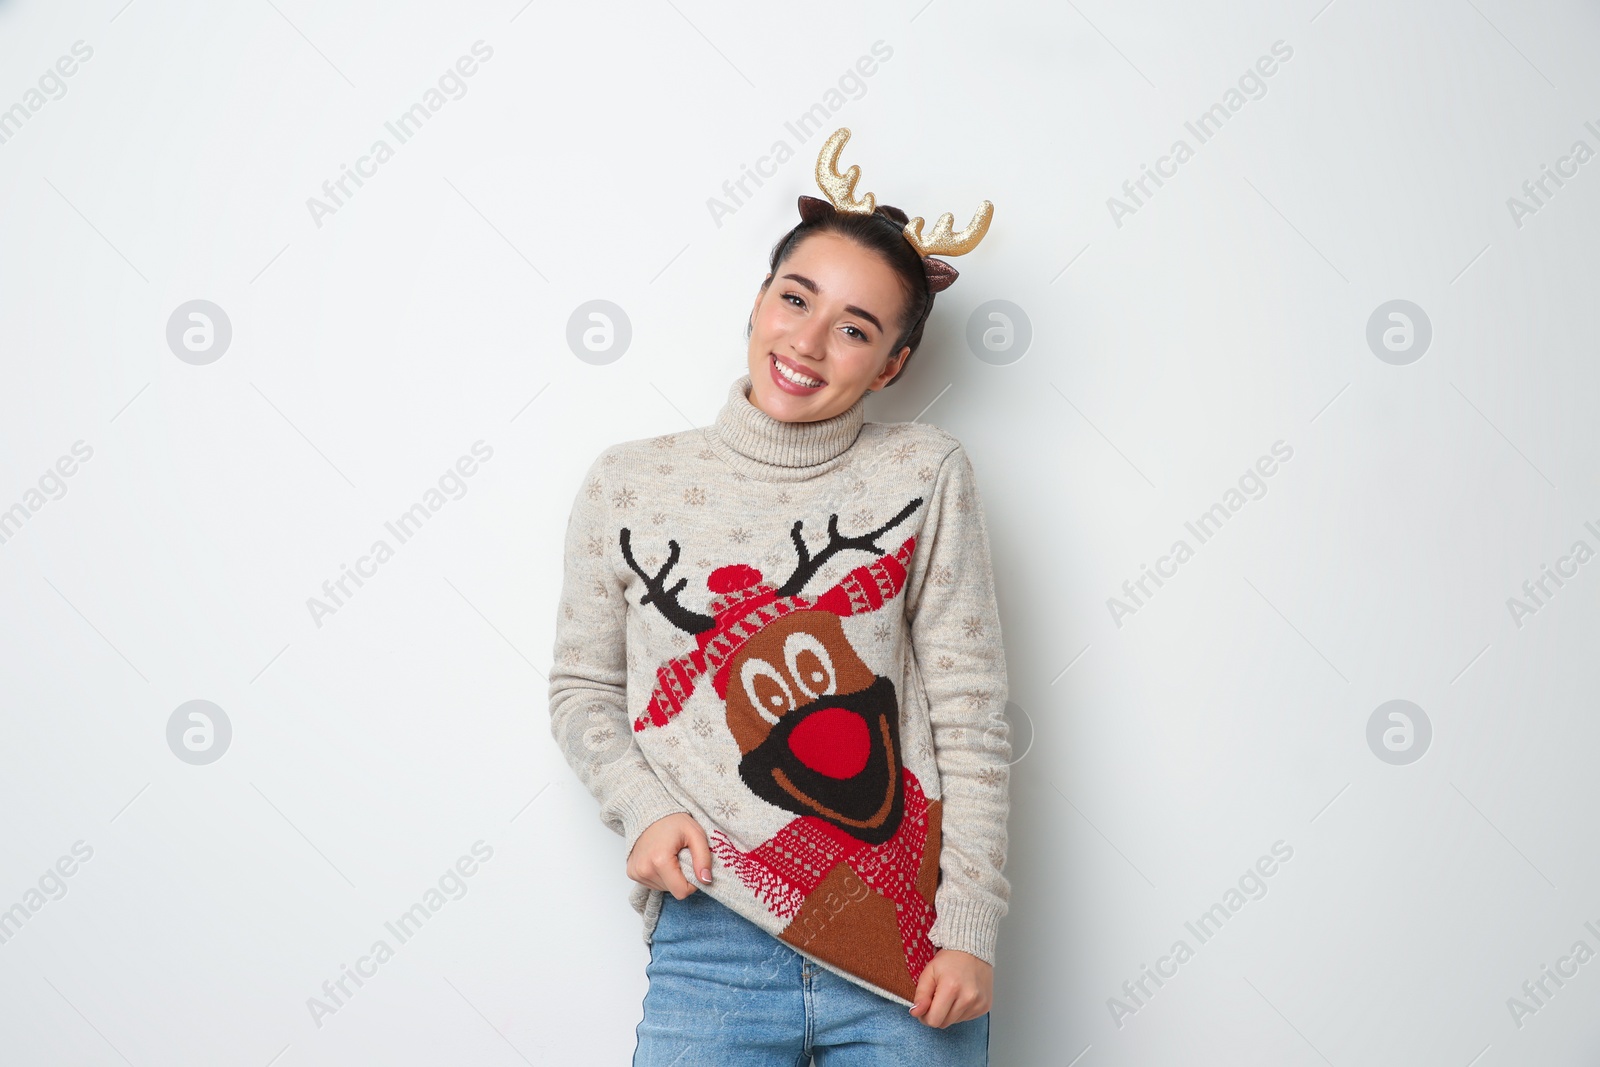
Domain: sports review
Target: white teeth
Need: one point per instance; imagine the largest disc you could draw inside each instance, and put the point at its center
(795, 376)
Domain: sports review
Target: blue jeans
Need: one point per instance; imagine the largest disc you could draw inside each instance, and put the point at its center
(725, 993)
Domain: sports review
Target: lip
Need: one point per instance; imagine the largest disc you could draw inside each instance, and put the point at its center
(785, 384)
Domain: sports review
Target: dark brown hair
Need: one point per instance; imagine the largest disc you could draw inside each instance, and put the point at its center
(882, 232)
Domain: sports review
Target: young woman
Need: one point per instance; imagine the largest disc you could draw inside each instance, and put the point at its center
(778, 667)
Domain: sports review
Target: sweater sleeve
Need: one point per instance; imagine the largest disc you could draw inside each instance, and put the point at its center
(955, 637)
(588, 677)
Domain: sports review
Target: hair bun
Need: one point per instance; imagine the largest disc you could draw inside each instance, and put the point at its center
(900, 217)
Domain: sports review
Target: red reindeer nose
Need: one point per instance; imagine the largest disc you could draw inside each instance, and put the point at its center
(832, 741)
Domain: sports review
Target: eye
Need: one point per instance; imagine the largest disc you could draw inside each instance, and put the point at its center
(795, 296)
(860, 336)
(769, 698)
(816, 675)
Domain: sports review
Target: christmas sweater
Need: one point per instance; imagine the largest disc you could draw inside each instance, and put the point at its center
(789, 632)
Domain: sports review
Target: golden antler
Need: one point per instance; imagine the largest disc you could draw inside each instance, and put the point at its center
(840, 188)
(942, 242)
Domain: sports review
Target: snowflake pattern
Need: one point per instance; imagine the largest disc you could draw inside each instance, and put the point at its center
(856, 487)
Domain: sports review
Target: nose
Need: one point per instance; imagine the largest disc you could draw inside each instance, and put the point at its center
(808, 338)
(832, 741)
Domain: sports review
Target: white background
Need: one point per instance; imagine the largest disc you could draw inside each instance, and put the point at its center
(1159, 758)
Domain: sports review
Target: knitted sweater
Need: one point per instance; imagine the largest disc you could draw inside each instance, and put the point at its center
(789, 632)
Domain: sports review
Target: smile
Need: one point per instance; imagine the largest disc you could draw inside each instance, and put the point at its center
(878, 816)
(795, 377)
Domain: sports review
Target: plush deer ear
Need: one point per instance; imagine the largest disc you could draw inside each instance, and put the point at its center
(812, 207)
(940, 274)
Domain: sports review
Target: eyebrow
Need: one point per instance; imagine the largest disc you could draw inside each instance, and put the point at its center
(863, 312)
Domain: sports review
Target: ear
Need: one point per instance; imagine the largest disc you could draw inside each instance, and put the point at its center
(940, 274)
(890, 370)
(811, 207)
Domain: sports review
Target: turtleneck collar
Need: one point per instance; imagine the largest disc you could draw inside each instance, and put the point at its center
(757, 444)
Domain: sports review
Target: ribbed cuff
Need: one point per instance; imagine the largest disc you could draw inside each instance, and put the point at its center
(637, 805)
(967, 925)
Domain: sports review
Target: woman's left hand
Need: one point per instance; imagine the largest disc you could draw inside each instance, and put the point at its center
(954, 986)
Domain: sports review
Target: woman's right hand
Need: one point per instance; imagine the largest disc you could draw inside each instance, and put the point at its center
(654, 859)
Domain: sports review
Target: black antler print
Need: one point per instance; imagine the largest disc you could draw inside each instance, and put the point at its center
(666, 600)
(866, 542)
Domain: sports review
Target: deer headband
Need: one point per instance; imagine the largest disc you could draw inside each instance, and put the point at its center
(943, 241)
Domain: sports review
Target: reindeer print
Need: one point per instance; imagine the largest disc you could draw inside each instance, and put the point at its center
(818, 731)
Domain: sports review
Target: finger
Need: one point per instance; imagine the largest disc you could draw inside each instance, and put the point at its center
(940, 1013)
(927, 982)
(671, 875)
(963, 1010)
(700, 853)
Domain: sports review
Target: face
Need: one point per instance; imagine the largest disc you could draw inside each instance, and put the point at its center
(819, 732)
(829, 317)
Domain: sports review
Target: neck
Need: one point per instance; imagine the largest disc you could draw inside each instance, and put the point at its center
(756, 444)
